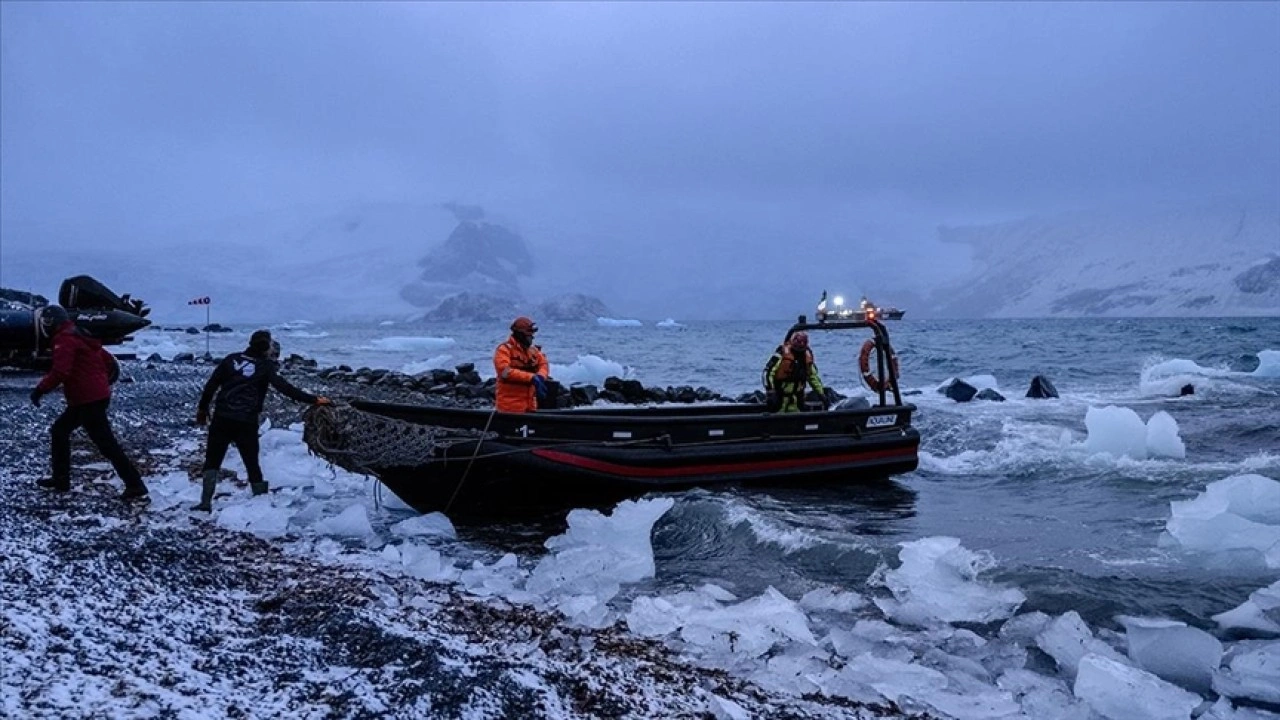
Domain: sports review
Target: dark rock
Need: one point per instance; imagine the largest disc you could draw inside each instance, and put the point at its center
(465, 368)
(154, 358)
(344, 368)
(613, 396)
(468, 307)
(959, 390)
(684, 394)
(569, 308)
(656, 395)
(470, 378)
(216, 328)
(633, 391)
(908, 393)
(184, 357)
(583, 394)
(442, 376)
(1187, 389)
(1041, 387)
(441, 389)
(989, 394)
(192, 331)
(613, 384)
(755, 397)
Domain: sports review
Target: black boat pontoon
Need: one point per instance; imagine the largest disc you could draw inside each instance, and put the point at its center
(437, 457)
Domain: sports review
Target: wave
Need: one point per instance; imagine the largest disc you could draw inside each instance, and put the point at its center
(411, 344)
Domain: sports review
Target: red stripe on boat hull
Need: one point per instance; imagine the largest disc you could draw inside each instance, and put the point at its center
(604, 466)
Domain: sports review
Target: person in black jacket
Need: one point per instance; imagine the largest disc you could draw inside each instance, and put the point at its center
(236, 390)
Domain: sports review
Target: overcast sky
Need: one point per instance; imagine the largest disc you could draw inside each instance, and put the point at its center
(690, 121)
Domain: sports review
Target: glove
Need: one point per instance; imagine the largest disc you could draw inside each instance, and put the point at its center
(35, 396)
(540, 386)
(202, 417)
(322, 400)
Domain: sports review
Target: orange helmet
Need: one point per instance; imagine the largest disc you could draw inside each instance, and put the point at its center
(523, 324)
(800, 340)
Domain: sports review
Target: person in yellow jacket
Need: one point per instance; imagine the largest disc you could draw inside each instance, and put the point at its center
(788, 372)
(522, 369)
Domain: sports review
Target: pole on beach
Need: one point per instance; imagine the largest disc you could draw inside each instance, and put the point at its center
(207, 308)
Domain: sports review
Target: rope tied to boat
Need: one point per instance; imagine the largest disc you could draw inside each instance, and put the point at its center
(359, 441)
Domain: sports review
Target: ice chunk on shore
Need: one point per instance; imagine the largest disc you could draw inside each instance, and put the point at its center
(1118, 431)
(1268, 364)
(1237, 518)
(1260, 613)
(256, 515)
(1253, 674)
(431, 524)
(1121, 692)
(589, 369)
(937, 581)
(352, 522)
(1162, 437)
(1173, 651)
(596, 555)
(1067, 638)
(669, 323)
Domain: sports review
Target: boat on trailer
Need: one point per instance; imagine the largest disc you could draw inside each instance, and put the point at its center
(440, 458)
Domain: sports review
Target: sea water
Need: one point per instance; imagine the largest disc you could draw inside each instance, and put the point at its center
(1067, 512)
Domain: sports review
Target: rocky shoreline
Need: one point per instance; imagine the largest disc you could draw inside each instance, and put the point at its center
(121, 611)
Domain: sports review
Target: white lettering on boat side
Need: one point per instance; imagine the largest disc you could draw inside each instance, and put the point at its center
(814, 426)
(621, 435)
(715, 433)
(876, 421)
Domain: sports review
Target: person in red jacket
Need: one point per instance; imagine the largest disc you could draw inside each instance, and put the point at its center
(521, 368)
(85, 371)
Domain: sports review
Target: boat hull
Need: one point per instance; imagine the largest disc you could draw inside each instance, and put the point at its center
(585, 458)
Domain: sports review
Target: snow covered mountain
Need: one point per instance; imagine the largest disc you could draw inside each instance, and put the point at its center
(1222, 260)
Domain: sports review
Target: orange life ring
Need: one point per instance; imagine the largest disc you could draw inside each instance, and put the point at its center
(864, 364)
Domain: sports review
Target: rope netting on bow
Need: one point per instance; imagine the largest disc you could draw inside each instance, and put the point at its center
(359, 441)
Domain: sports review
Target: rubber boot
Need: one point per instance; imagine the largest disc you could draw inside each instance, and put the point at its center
(59, 486)
(210, 484)
(258, 488)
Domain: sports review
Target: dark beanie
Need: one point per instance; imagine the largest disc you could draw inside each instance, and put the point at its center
(260, 341)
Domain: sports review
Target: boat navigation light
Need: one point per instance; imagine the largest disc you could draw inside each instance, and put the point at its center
(839, 301)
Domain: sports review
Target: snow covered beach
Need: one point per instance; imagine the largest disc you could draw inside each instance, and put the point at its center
(1104, 555)
(159, 612)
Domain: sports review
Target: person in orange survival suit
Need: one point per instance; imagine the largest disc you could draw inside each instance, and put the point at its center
(522, 369)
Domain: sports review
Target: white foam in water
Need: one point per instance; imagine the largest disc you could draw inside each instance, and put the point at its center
(149, 343)
(420, 366)
(937, 581)
(589, 370)
(595, 556)
(669, 323)
(1120, 692)
(1253, 674)
(1119, 432)
(1259, 614)
(616, 322)
(412, 344)
(1173, 651)
(1268, 364)
(1237, 519)
(1166, 378)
